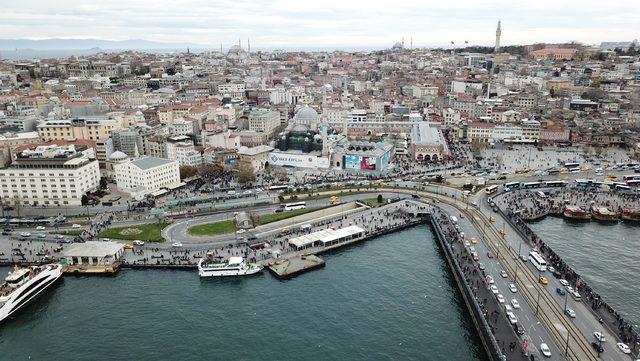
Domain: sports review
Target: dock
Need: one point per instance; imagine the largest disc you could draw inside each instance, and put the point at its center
(287, 268)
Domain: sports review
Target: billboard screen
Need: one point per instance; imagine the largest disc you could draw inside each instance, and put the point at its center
(368, 163)
(351, 162)
(298, 160)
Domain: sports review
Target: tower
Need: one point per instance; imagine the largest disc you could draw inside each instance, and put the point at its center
(248, 46)
(498, 33)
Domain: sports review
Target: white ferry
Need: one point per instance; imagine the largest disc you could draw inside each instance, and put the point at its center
(24, 284)
(235, 266)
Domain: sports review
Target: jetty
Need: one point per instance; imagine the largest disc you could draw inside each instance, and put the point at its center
(290, 267)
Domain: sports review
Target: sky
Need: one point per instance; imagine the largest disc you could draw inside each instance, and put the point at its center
(323, 23)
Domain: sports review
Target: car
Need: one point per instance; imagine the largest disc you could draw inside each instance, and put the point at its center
(557, 274)
(515, 303)
(481, 266)
(41, 228)
(25, 234)
(5, 233)
(599, 336)
(59, 236)
(176, 244)
(75, 225)
(472, 249)
(623, 347)
(474, 240)
(569, 289)
(41, 235)
(489, 255)
(513, 288)
(561, 291)
(570, 312)
(127, 246)
(544, 280)
(490, 280)
(512, 318)
(138, 243)
(508, 308)
(494, 289)
(524, 257)
(500, 298)
(467, 243)
(551, 269)
(475, 256)
(564, 282)
(503, 274)
(241, 231)
(248, 191)
(597, 346)
(518, 328)
(546, 352)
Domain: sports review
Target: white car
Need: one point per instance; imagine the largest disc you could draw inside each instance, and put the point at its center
(500, 298)
(490, 280)
(59, 236)
(569, 289)
(508, 308)
(25, 234)
(512, 288)
(494, 289)
(75, 225)
(551, 269)
(241, 231)
(545, 350)
(623, 347)
(138, 243)
(512, 317)
(570, 312)
(248, 191)
(503, 274)
(176, 244)
(40, 228)
(564, 282)
(515, 303)
(467, 244)
(599, 336)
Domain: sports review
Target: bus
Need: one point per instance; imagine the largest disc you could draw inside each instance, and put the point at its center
(491, 189)
(293, 206)
(633, 183)
(555, 184)
(511, 185)
(531, 185)
(622, 186)
(631, 177)
(278, 188)
(538, 262)
(587, 183)
(571, 165)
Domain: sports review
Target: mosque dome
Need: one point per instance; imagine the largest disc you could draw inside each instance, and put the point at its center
(307, 115)
(299, 128)
(117, 156)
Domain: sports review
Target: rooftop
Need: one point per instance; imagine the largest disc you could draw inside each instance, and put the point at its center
(92, 249)
(145, 163)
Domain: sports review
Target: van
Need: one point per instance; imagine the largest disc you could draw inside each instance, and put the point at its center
(576, 296)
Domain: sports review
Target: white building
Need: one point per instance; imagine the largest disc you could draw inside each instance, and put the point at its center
(146, 175)
(263, 120)
(50, 175)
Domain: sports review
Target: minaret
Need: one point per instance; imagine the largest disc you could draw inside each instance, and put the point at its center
(248, 46)
(498, 33)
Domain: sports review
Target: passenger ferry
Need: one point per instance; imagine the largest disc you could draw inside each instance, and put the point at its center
(575, 212)
(24, 284)
(631, 214)
(235, 266)
(604, 214)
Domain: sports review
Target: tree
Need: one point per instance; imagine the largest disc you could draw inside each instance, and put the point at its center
(211, 172)
(187, 171)
(379, 198)
(103, 183)
(244, 172)
(84, 200)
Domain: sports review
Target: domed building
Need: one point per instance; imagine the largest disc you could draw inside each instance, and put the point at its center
(300, 138)
(117, 156)
(306, 116)
(236, 53)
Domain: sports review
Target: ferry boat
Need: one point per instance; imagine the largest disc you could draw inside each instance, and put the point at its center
(24, 284)
(235, 266)
(604, 214)
(575, 212)
(631, 214)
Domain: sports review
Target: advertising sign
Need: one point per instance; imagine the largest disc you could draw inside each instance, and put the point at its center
(298, 160)
(352, 162)
(368, 163)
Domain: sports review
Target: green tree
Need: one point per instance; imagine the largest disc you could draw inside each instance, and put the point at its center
(244, 172)
(379, 198)
(187, 171)
(103, 183)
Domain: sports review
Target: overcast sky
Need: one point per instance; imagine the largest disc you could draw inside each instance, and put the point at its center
(323, 23)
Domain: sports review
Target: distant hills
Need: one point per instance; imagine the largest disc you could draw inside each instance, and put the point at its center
(77, 44)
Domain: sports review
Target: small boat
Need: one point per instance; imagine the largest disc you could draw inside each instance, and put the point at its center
(24, 284)
(604, 214)
(577, 213)
(631, 214)
(234, 266)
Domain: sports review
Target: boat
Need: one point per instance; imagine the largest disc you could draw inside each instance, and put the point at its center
(604, 214)
(234, 266)
(24, 284)
(575, 212)
(631, 214)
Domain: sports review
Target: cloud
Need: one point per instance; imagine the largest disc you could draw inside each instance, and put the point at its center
(326, 23)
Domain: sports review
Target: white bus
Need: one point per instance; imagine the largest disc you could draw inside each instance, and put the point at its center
(538, 262)
(296, 205)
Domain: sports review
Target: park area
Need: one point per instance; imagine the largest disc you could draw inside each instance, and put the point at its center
(212, 229)
(145, 232)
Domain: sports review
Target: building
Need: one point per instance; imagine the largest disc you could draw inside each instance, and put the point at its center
(146, 176)
(362, 156)
(264, 120)
(49, 175)
(128, 141)
(428, 143)
(9, 141)
(256, 157)
(92, 255)
(71, 129)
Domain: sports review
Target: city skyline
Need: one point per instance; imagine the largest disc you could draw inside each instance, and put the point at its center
(330, 24)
